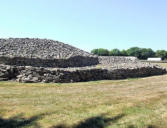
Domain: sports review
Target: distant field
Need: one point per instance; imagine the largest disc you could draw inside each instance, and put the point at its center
(131, 103)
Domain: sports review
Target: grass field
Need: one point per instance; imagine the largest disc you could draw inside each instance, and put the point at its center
(130, 103)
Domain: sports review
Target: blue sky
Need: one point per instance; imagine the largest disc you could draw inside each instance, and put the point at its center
(88, 24)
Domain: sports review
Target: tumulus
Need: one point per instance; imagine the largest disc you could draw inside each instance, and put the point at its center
(43, 53)
(43, 60)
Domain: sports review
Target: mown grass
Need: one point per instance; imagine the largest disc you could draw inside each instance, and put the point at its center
(130, 103)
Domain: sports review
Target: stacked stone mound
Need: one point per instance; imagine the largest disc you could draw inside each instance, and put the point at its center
(59, 75)
(43, 53)
(111, 60)
(41, 60)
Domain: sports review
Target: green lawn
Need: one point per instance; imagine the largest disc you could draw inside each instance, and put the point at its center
(131, 103)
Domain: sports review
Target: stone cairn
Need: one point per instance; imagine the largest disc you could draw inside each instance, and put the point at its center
(42, 60)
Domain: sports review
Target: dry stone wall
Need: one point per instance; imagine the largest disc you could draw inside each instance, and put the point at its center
(109, 60)
(59, 75)
(76, 61)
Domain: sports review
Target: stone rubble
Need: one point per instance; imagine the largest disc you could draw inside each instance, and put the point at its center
(43, 52)
(41, 60)
(60, 75)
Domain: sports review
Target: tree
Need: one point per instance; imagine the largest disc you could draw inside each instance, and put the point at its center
(115, 52)
(161, 53)
(141, 53)
(146, 53)
(134, 51)
(94, 51)
(103, 52)
(124, 53)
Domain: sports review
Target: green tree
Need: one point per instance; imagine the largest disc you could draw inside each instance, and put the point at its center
(94, 51)
(103, 52)
(124, 53)
(161, 53)
(134, 51)
(146, 53)
(115, 52)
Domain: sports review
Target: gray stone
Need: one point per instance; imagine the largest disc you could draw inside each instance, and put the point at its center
(43, 53)
(40, 60)
(59, 75)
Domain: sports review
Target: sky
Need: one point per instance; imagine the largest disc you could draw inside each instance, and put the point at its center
(88, 24)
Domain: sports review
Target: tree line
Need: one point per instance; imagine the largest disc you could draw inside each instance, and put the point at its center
(141, 53)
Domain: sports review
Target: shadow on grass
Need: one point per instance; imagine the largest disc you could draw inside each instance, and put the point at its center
(19, 121)
(93, 122)
(149, 126)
